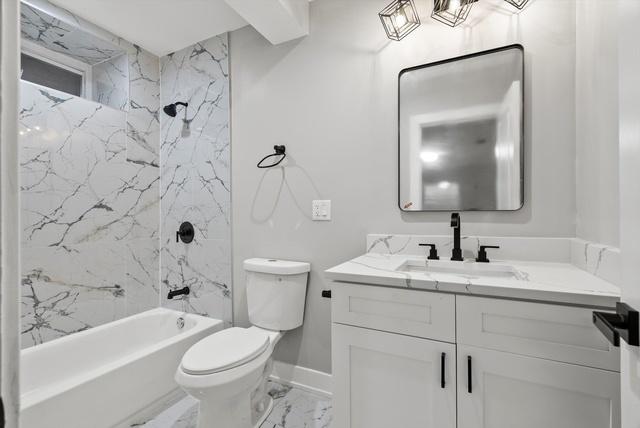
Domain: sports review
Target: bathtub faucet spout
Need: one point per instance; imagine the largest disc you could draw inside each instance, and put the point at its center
(178, 292)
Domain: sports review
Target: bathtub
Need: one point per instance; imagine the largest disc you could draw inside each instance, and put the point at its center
(104, 376)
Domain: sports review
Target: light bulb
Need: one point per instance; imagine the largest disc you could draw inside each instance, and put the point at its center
(453, 5)
(400, 19)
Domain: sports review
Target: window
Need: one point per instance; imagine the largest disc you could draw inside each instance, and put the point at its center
(51, 75)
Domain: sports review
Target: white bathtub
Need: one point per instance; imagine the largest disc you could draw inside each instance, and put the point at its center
(104, 376)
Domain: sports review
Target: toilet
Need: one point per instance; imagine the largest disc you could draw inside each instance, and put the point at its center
(228, 370)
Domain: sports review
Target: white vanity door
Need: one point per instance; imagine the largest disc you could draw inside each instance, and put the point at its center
(513, 391)
(384, 380)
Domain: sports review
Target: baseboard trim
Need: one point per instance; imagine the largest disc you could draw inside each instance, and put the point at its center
(303, 378)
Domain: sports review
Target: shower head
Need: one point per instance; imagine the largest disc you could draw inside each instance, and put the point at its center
(172, 109)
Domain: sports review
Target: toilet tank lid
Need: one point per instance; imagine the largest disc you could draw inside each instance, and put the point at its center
(276, 267)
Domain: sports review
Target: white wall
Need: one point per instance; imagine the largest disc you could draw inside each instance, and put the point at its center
(629, 129)
(9, 212)
(331, 99)
(597, 121)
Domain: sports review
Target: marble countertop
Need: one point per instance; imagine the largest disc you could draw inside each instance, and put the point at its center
(540, 281)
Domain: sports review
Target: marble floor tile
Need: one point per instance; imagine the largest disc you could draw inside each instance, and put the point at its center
(293, 408)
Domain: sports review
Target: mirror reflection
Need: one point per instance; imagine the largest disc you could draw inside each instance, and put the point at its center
(460, 131)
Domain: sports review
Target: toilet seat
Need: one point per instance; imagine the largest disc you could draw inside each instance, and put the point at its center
(224, 350)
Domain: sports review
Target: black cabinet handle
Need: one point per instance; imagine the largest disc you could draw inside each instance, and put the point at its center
(442, 369)
(469, 388)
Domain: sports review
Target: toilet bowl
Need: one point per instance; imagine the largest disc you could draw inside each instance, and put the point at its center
(227, 371)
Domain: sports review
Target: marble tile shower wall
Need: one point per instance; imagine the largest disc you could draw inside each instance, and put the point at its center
(195, 179)
(56, 30)
(90, 205)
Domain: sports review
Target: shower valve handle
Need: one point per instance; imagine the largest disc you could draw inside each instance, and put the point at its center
(185, 233)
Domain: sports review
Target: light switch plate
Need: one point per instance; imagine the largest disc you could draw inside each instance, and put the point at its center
(321, 210)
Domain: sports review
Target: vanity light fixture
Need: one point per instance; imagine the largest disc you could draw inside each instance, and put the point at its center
(399, 19)
(520, 4)
(451, 12)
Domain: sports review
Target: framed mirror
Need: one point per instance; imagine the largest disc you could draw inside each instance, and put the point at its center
(461, 133)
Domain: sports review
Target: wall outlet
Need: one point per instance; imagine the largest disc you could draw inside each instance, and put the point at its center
(321, 210)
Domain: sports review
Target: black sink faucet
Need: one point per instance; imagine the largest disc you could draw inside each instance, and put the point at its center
(456, 253)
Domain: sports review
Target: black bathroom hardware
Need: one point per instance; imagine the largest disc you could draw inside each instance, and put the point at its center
(326, 294)
(433, 252)
(469, 387)
(178, 292)
(624, 323)
(456, 252)
(443, 357)
(482, 254)
(279, 151)
(172, 109)
(185, 233)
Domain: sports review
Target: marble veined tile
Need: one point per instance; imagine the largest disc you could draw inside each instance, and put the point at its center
(511, 247)
(144, 72)
(143, 122)
(66, 289)
(110, 81)
(211, 188)
(73, 153)
(197, 75)
(142, 283)
(59, 36)
(600, 260)
(293, 408)
(195, 180)
(195, 66)
(90, 182)
(204, 266)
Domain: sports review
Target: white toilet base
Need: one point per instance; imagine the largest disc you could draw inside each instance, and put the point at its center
(235, 414)
(225, 414)
(267, 411)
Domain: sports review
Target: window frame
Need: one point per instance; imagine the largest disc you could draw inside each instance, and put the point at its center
(61, 61)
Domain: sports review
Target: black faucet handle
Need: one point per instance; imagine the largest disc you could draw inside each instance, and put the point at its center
(433, 251)
(455, 220)
(482, 254)
(185, 233)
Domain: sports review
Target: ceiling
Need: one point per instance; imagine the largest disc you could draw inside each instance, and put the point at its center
(159, 26)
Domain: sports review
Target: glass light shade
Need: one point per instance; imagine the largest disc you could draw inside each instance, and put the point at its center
(399, 19)
(452, 12)
(520, 4)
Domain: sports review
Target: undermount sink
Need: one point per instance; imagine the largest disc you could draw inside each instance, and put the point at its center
(471, 268)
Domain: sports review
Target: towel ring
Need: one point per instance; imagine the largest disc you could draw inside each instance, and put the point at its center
(279, 151)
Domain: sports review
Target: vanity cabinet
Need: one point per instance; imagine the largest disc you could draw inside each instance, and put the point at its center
(504, 390)
(507, 363)
(384, 380)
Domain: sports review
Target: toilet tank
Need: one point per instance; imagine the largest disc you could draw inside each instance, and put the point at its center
(276, 292)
